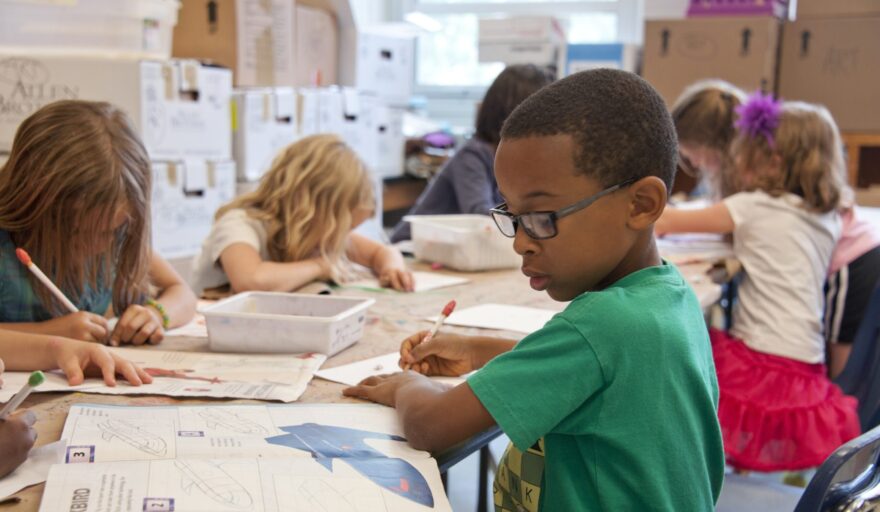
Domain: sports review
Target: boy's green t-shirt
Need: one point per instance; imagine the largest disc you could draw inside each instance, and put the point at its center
(618, 393)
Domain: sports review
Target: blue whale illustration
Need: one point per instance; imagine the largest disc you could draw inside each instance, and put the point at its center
(326, 443)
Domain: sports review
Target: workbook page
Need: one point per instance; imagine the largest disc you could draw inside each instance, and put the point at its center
(282, 377)
(246, 484)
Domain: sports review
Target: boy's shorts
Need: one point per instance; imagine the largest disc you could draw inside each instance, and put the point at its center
(847, 293)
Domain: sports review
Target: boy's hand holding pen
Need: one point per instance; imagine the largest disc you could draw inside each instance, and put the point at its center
(428, 354)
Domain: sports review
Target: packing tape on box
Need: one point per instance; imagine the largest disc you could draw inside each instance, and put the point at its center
(172, 173)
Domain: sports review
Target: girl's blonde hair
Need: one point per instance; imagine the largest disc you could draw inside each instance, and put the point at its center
(74, 166)
(306, 200)
(810, 157)
(703, 116)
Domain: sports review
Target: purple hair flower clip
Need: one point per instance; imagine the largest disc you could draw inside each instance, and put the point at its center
(759, 116)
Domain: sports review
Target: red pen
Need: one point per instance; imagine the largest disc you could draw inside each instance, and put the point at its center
(447, 310)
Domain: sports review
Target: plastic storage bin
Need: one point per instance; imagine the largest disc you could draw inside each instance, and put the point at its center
(285, 323)
(141, 28)
(462, 242)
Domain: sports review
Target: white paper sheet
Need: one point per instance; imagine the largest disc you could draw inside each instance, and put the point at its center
(259, 377)
(500, 316)
(352, 374)
(197, 328)
(109, 433)
(424, 281)
(693, 248)
(242, 457)
(34, 470)
(253, 485)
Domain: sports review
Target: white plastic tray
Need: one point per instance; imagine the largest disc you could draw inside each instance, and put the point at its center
(285, 322)
(462, 242)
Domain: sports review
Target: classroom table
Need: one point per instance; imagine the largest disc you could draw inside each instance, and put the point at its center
(393, 317)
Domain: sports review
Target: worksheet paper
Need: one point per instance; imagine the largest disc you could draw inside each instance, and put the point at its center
(352, 374)
(241, 457)
(500, 316)
(34, 470)
(694, 248)
(195, 374)
(424, 281)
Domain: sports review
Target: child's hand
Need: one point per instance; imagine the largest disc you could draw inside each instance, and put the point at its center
(76, 359)
(381, 388)
(446, 354)
(138, 325)
(81, 325)
(398, 278)
(17, 436)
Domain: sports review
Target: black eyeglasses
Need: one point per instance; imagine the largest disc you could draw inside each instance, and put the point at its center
(542, 225)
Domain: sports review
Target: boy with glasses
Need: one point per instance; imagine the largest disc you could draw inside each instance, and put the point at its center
(612, 404)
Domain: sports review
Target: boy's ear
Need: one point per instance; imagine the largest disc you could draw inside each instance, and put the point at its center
(647, 201)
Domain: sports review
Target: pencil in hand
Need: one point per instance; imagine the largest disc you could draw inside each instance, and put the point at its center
(25, 259)
(34, 380)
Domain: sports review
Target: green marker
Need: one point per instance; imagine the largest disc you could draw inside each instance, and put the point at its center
(34, 380)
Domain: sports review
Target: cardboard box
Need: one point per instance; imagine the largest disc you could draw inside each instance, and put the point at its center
(264, 122)
(382, 143)
(137, 28)
(834, 62)
(316, 47)
(254, 38)
(308, 111)
(837, 8)
(186, 194)
(522, 40)
(581, 57)
(869, 197)
(386, 65)
(179, 108)
(778, 8)
(742, 51)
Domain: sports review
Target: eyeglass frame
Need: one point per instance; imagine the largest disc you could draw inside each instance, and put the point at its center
(554, 216)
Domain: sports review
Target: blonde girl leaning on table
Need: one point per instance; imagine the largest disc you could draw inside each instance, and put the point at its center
(77, 359)
(76, 194)
(296, 227)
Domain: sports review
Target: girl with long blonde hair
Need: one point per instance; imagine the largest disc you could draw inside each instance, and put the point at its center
(778, 409)
(75, 195)
(296, 227)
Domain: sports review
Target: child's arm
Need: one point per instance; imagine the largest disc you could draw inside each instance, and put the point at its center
(433, 416)
(140, 324)
(714, 219)
(247, 271)
(385, 261)
(28, 352)
(82, 325)
(175, 295)
(17, 436)
(450, 354)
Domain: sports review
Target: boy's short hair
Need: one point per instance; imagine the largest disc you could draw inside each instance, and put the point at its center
(619, 123)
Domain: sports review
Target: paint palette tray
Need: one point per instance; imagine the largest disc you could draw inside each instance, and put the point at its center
(274, 322)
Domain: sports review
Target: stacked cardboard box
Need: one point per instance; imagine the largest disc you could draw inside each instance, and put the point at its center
(741, 50)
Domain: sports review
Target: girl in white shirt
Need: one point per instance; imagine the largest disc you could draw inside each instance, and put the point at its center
(296, 227)
(778, 410)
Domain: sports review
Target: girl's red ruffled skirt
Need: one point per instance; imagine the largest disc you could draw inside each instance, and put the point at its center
(777, 413)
